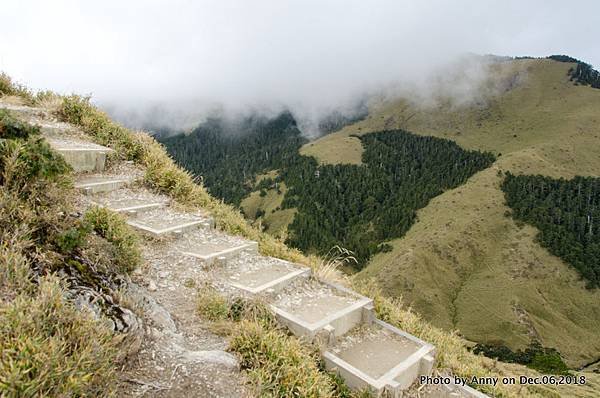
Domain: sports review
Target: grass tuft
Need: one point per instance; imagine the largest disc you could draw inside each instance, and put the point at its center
(211, 305)
(113, 227)
(279, 364)
(328, 267)
(49, 348)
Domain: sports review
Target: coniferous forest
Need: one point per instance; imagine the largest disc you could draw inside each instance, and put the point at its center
(582, 73)
(360, 207)
(567, 213)
(356, 206)
(229, 155)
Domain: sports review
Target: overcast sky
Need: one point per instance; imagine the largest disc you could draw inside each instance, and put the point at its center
(298, 53)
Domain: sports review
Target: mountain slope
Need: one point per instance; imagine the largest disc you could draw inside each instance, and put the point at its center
(465, 264)
(161, 175)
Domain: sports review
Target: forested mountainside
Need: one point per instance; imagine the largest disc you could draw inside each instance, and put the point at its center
(466, 264)
(358, 207)
(229, 155)
(460, 258)
(581, 73)
(567, 213)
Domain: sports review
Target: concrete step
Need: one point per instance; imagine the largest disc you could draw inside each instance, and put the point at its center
(99, 183)
(210, 246)
(129, 201)
(25, 111)
(255, 274)
(164, 221)
(58, 130)
(82, 156)
(380, 357)
(312, 309)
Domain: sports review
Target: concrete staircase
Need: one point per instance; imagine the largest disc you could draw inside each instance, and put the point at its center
(365, 351)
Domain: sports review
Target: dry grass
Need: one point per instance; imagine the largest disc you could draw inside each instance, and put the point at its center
(212, 305)
(328, 267)
(113, 227)
(49, 348)
(276, 363)
(11, 89)
(48, 100)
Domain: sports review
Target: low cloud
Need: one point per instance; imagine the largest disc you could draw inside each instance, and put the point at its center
(171, 63)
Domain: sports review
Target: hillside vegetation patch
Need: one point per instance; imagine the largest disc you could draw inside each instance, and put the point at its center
(49, 347)
(567, 214)
(355, 206)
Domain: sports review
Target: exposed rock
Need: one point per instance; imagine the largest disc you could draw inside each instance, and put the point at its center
(94, 291)
(155, 313)
(214, 357)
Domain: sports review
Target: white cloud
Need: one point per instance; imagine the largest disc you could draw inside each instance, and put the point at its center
(306, 54)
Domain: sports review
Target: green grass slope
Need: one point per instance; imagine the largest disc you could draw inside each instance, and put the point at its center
(465, 264)
(275, 220)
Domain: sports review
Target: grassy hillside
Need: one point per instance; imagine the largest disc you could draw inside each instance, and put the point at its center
(275, 220)
(465, 264)
(49, 346)
(161, 174)
(544, 108)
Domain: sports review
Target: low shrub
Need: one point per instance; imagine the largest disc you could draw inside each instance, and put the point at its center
(543, 359)
(113, 227)
(25, 158)
(49, 348)
(11, 127)
(9, 87)
(73, 238)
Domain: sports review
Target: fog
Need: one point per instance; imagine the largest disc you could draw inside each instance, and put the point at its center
(170, 63)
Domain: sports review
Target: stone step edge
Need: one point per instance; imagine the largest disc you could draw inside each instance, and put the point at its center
(363, 304)
(174, 229)
(101, 149)
(90, 188)
(306, 272)
(83, 185)
(229, 252)
(132, 209)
